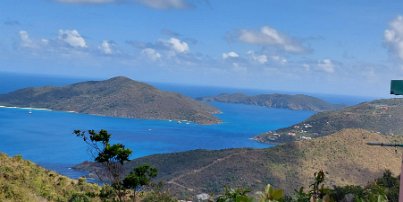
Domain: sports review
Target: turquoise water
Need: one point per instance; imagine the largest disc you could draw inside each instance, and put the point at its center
(46, 138)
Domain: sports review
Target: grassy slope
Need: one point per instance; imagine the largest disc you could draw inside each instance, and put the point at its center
(22, 180)
(344, 155)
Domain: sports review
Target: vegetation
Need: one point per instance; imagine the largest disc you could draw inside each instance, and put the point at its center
(156, 193)
(270, 194)
(22, 180)
(344, 155)
(382, 189)
(111, 157)
(235, 195)
(139, 177)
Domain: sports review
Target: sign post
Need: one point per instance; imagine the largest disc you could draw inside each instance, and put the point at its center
(396, 88)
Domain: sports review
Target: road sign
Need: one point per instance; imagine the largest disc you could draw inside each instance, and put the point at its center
(396, 87)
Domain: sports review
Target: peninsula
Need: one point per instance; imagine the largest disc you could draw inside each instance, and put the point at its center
(293, 102)
(116, 97)
(381, 116)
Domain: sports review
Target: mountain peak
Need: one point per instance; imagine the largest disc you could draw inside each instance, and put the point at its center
(120, 78)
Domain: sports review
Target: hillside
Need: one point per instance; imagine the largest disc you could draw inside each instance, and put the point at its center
(345, 156)
(118, 97)
(22, 180)
(293, 102)
(384, 116)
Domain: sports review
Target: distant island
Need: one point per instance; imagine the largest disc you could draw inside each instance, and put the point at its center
(293, 102)
(381, 116)
(116, 97)
(344, 155)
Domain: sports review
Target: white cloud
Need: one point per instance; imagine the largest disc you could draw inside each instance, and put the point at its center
(72, 38)
(156, 4)
(262, 59)
(394, 37)
(25, 40)
(178, 45)
(151, 54)
(279, 59)
(326, 65)
(87, 1)
(270, 36)
(164, 4)
(229, 55)
(106, 48)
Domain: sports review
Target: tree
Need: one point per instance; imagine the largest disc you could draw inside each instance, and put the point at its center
(140, 176)
(110, 157)
(235, 195)
(391, 185)
(318, 192)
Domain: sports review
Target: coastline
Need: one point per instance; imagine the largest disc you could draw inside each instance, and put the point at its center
(182, 137)
(27, 108)
(178, 121)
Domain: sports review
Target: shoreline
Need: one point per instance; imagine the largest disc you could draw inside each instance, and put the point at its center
(185, 122)
(28, 108)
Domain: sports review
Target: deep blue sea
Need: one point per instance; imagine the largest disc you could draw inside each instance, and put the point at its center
(46, 138)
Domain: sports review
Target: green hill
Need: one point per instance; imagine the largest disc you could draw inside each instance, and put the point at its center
(293, 102)
(118, 97)
(345, 156)
(383, 116)
(22, 180)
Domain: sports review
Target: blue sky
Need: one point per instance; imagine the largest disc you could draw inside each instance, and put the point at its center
(335, 47)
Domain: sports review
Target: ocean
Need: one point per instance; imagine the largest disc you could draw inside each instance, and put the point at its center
(45, 137)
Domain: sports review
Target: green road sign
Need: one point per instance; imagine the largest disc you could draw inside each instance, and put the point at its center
(396, 87)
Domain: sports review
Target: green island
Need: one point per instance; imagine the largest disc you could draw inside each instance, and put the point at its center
(283, 101)
(116, 97)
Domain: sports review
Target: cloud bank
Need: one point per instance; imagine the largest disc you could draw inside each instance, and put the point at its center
(394, 37)
(268, 36)
(72, 38)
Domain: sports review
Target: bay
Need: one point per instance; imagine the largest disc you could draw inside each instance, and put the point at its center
(46, 138)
